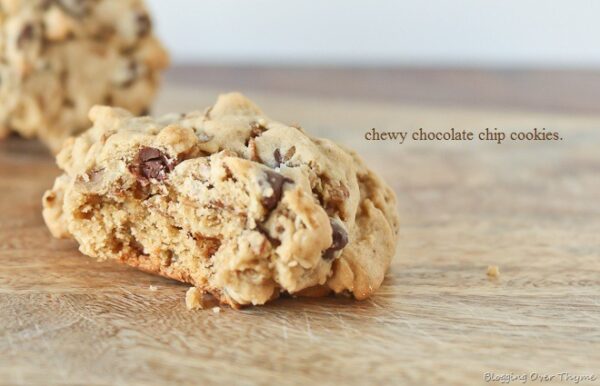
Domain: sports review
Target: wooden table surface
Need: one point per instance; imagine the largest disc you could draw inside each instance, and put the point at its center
(536, 90)
(531, 208)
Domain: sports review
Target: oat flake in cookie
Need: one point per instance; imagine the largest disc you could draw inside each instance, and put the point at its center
(58, 58)
(236, 204)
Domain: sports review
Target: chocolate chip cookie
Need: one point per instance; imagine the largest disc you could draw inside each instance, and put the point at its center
(240, 206)
(58, 58)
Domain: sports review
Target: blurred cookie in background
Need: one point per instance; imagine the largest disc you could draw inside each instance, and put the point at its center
(58, 58)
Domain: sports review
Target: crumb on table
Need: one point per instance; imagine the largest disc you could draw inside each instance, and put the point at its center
(493, 271)
(194, 299)
(216, 310)
(152, 288)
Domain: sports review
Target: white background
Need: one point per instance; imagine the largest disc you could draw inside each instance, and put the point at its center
(549, 33)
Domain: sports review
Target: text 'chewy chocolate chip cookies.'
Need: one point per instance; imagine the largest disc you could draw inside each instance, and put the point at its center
(58, 58)
(240, 206)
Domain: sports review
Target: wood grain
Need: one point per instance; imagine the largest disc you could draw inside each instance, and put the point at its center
(530, 208)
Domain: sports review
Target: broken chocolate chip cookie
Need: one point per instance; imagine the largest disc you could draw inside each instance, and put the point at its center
(238, 205)
(58, 58)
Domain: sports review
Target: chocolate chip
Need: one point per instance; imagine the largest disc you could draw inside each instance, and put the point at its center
(283, 159)
(276, 182)
(169, 258)
(339, 237)
(151, 163)
(256, 129)
(154, 169)
(68, 103)
(289, 154)
(144, 24)
(277, 156)
(108, 100)
(25, 35)
(137, 247)
(104, 33)
(149, 153)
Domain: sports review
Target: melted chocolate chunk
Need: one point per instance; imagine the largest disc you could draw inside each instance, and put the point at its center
(276, 181)
(144, 24)
(151, 163)
(26, 34)
(150, 153)
(340, 239)
(154, 169)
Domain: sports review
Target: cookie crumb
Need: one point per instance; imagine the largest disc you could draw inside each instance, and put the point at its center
(493, 271)
(153, 288)
(216, 310)
(194, 299)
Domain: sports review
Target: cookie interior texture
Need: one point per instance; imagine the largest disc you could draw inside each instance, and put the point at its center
(236, 204)
(58, 58)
